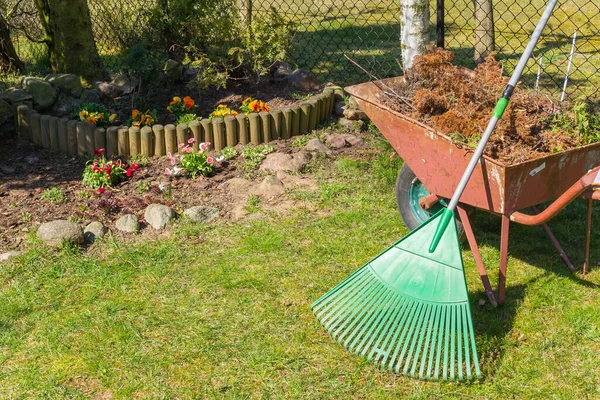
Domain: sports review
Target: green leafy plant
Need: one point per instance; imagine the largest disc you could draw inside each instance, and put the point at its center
(254, 155)
(228, 153)
(142, 186)
(100, 173)
(140, 119)
(140, 160)
(54, 195)
(192, 163)
(187, 118)
(580, 122)
(253, 204)
(95, 114)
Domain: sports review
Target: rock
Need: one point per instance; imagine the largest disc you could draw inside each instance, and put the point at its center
(121, 80)
(316, 146)
(173, 70)
(7, 113)
(65, 104)
(57, 232)
(237, 187)
(68, 84)
(239, 211)
(15, 96)
(282, 72)
(95, 230)
(108, 90)
(7, 170)
(269, 188)
(349, 124)
(201, 213)
(340, 107)
(128, 223)
(284, 162)
(190, 74)
(31, 159)
(335, 141)
(10, 254)
(355, 115)
(352, 140)
(296, 181)
(90, 96)
(303, 80)
(353, 103)
(44, 95)
(159, 215)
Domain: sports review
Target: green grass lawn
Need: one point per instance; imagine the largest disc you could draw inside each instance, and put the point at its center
(222, 310)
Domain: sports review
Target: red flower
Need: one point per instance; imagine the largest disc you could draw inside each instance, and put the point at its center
(134, 166)
(101, 190)
(129, 172)
(107, 170)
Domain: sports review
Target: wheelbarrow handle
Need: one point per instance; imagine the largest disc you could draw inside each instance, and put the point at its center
(576, 190)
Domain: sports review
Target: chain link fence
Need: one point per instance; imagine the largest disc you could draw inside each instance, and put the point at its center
(368, 31)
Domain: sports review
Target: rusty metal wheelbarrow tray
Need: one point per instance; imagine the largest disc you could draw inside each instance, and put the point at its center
(495, 187)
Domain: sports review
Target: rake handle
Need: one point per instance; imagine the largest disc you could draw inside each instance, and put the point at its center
(448, 214)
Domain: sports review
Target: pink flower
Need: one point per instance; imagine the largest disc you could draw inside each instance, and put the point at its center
(167, 172)
(180, 145)
(189, 149)
(171, 158)
(101, 190)
(204, 145)
(210, 160)
(191, 140)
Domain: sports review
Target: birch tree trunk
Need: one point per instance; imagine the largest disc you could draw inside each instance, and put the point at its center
(414, 29)
(484, 29)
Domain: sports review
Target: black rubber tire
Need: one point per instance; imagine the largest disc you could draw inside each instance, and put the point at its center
(406, 179)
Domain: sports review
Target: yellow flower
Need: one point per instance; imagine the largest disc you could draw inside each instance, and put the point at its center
(176, 100)
(83, 115)
(112, 117)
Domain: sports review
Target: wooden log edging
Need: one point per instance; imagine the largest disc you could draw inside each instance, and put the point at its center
(73, 137)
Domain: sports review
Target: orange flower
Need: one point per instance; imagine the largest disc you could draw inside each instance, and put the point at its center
(135, 114)
(247, 100)
(189, 102)
(176, 100)
(254, 107)
(234, 113)
(144, 117)
(92, 120)
(264, 106)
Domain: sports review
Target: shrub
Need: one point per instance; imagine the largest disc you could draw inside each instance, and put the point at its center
(95, 114)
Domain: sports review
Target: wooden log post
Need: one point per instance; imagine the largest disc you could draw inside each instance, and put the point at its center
(255, 130)
(182, 136)
(54, 134)
(287, 118)
(90, 143)
(36, 128)
(123, 137)
(99, 139)
(171, 138)
(112, 141)
(314, 112)
(207, 130)
(196, 128)
(324, 113)
(296, 116)
(45, 131)
(72, 137)
(244, 135)
(81, 130)
(338, 93)
(134, 141)
(147, 143)
(63, 139)
(317, 105)
(23, 114)
(276, 124)
(159, 140)
(305, 111)
(265, 118)
(231, 130)
(329, 95)
(219, 133)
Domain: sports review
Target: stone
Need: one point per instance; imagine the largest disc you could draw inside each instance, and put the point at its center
(94, 230)
(10, 254)
(282, 72)
(340, 107)
(237, 187)
(159, 215)
(355, 115)
(201, 213)
(7, 170)
(108, 90)
(303, 80)
(173, 70)
(43, 93)
(353, 103)
(7, 113)
(269, 188)
(68, 84)
(335, 141)
(31, 159)
(128, 223)
(65, 104)
(15, 96)
(90, 96)
(352, 140)
(190, 74)
(60, 231)
(121, 80)
(296, 181)
(316, 146)
(284, 162)
(349, 124)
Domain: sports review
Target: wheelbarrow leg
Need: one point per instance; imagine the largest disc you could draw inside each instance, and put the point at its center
(588, 238)
(503, 258)
(557, 245)
(477, 255)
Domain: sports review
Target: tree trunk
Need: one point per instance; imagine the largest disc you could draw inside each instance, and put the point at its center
(484, 29)
(70, 39)
(414, 29)
(9, 60)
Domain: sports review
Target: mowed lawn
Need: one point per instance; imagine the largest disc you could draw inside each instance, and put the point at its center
(222, 310)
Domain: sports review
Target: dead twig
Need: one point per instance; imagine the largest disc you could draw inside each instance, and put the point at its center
(381, 86)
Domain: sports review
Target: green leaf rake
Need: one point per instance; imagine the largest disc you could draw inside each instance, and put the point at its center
(408, 309)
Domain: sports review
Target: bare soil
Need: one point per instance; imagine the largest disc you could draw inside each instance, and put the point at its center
(459, 102)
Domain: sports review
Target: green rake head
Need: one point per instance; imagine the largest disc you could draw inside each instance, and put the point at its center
(407, 310)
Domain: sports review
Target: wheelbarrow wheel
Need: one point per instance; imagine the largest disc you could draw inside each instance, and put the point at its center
(409, 190)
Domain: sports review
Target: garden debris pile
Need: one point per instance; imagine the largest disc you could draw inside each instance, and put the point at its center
(459, 102)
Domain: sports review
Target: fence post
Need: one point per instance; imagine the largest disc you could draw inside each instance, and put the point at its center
(243, 128)
(112, 141)
(159, 140)
(439, 24)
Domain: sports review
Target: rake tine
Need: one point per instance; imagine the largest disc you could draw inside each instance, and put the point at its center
(411, 328)
(346, 298)
(439, 348)
(466, 340)
(404, 324)
(377, 326)
(418, 349)
(369, 324)
(334, 291)
(432, 327)
(363, 313)
(447, 341)
(452, 344)
(459, 343)
(400, 305)
(473, 345)
(343, 317)
(407, 306)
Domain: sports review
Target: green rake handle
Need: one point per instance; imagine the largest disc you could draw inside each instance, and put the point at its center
(448, 214)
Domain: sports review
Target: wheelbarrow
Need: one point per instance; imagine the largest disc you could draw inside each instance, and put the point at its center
(434, 164)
